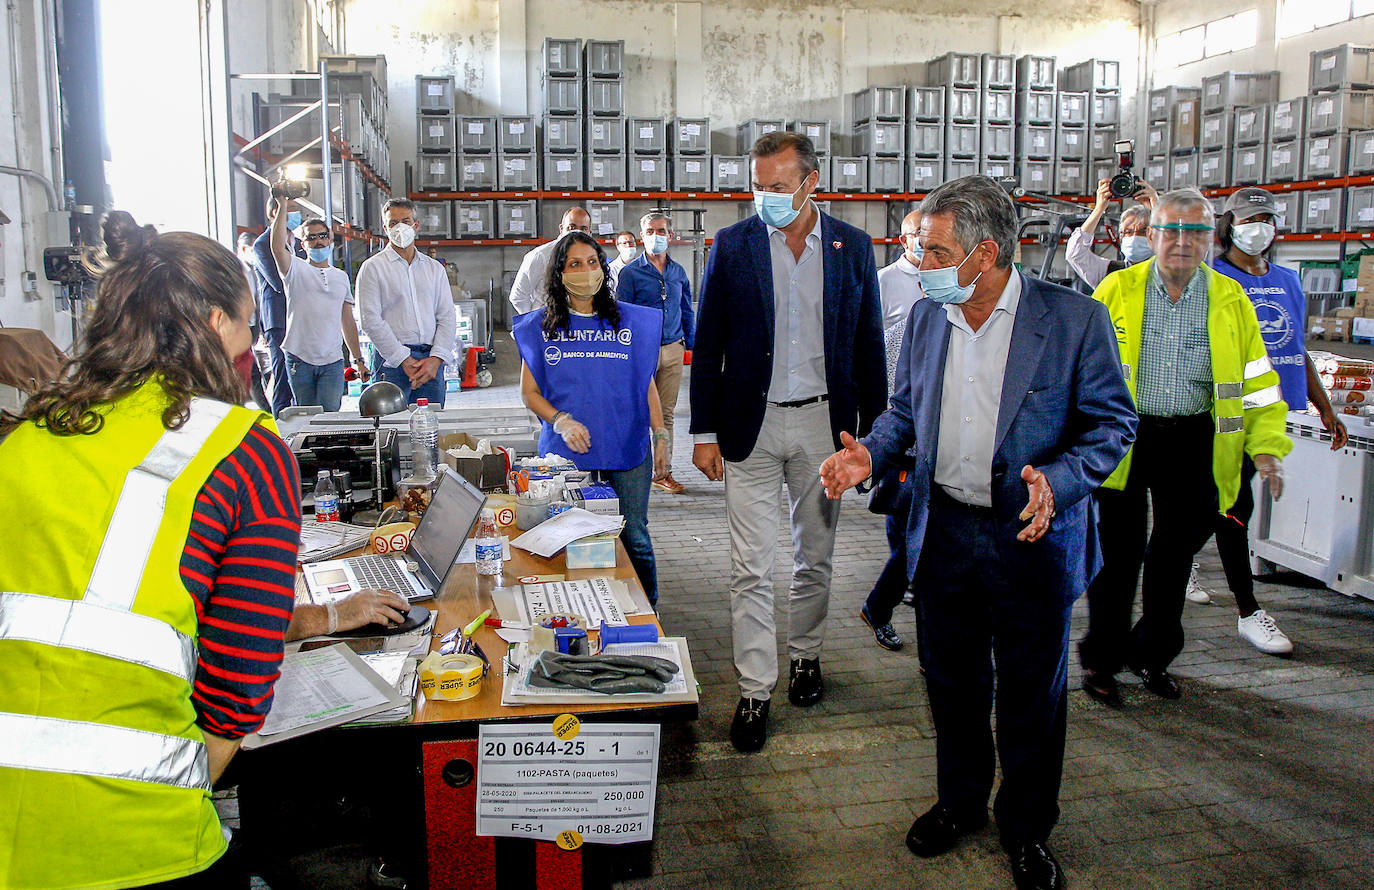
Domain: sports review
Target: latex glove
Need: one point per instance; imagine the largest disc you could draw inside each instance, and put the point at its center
(1040, 505)
(371, 607)
(574, 433)
(845, 468)
(706, 457)
(661, 461)
(1270, 469)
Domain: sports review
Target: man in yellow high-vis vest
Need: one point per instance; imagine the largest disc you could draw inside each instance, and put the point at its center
(1195, 363)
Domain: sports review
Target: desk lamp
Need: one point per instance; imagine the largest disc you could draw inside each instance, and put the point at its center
(377, 401)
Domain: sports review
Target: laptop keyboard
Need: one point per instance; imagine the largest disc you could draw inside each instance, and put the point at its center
(383, 573)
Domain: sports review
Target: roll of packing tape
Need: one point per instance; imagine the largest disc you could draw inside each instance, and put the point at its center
(451, 677)
(562, 620)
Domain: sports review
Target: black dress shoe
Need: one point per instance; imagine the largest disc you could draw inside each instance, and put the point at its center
(1161, 683)
(1101, 686)
(885, 634)
(749, 729)
(937, 830)
(1034, 867)
(804, 685)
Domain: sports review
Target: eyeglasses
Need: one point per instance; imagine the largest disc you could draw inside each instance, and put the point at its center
(320, 236)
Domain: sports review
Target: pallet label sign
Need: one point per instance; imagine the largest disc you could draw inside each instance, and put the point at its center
(541, 780)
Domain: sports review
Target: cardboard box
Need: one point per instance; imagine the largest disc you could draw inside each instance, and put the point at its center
(1364, 278)
(599, 499)
(1345, 312)
(487, 472)
(1324, 327)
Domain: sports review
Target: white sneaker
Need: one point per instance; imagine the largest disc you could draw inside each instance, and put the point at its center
(1262, 633)
(1196, 593)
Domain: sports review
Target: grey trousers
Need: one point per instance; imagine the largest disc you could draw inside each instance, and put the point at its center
(791, 445)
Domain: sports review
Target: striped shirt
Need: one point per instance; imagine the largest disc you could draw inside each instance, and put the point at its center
(1175, 374)
(240, 566)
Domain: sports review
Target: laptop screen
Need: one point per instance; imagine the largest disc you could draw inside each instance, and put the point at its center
(452, 513)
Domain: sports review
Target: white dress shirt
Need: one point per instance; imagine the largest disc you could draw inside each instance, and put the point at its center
(530, 289)
(972, 393)
(400, 303)
(798, 317)
(899, 287)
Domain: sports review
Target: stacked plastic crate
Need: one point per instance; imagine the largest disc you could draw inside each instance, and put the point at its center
(1340, 102)
(1250, 133)
(1101, 80)
(1230, 100)
(1159, 131)
(997, 135)
(818, 131)
(879, 143)
(517, 170)
(746, 134)
(925, 138)
(691, 147)
(563, 117)
(606, 136)
(1359, 199)
(1035, 110)
(1185, 135)
(960, 78)
(436, 138)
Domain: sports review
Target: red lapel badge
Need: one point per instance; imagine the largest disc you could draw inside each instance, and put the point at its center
(837, 244)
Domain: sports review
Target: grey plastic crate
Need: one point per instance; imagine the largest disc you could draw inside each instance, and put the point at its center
(997, 168)
(435, 132)
(886, 175)
(562, 135)
(1214, 168)
(605, 135)
(1341, 66)
(563, 172)
(517, 219)
(518, 171)
(608, 217)
(647, 174)
(1321, 210)
(1155, 171)
(958, 168)
(1098, 170)
(1216, 129)
(926, 104)
(924, 174)
(1340, 110)
(691, 173)
(1072, 108)
(925, 139)
(1164, 99)
(476, 134)
(1247, 164)
(815, 130)
(1035, 73)
(690, 136)
(999, 71)
(730, 173)
(1104, 110)
(1361, 153)
(880, 103)
(435, 219)
(1284, 161)
(437, 173)
(606, 173)
(1070, 178)
(961, 140)
(1092, 75)
(823, 175)
(849, 174)
(1251, 125)
(1185, 128)
(1036, 176)
(955, 69)
(1324, 157)
(1036, 107)
(604, 58)
(1035, 142)
(432, 92)
(999, 106)
(515, 132)
(645, 135)
(606, 98)
(963, 104)
(474, 219)
(477, 173)
(1071, 143)
(563, 97)
(1288, 118)
(563, 56)
(998, 141)
(1287, 206)
(1235, 89)
(1183, 170)
(749, 132)
(1102, 143)
(1359, 208)
(879, 139)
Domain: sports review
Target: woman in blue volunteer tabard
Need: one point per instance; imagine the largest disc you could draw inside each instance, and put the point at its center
(588, 373)
(1246, 230)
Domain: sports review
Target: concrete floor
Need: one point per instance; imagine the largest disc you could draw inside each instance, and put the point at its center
(1261, 776)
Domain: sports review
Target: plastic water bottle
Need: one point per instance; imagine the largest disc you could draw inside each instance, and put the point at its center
(424, 441)
(489, 560)
(326, 498)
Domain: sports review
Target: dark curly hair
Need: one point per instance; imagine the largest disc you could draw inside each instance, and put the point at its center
(556, 316)
(151, 318)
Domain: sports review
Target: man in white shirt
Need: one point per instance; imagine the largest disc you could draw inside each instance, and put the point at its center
(319, 305)
(530, 289)
(407, 309)
(899, 285)
(627, 249)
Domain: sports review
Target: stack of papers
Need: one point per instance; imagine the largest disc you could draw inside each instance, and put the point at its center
(323, 540)
(552, 535)
(516, 688)
(323, 688)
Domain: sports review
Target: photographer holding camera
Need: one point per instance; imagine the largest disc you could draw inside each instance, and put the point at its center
(1135, 230)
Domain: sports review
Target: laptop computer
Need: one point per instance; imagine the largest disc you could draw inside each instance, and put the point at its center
(419, 572)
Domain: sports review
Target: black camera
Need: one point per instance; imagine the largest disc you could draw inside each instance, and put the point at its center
(290, 189)
(1124, 184)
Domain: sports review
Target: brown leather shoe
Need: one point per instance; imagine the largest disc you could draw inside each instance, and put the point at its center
(669, 484)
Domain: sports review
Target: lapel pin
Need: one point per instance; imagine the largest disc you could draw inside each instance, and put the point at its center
(837, 244)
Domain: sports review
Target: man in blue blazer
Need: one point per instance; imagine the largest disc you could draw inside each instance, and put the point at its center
(789, 352)
(1011, 403)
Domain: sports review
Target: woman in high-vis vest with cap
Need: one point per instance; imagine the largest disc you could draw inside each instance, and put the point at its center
(146, 577)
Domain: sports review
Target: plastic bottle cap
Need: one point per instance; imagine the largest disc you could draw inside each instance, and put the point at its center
(420, 403)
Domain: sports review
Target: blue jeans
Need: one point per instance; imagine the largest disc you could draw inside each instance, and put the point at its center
(434, 390)
(632, 487)
(281, 377)
(316, 384)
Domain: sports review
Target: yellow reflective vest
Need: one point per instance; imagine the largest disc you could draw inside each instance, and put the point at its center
(1247, 407)
(104, 778)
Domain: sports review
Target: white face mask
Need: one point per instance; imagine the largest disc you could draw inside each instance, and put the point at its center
(628, 253)
(1253, 238)
(401, 235)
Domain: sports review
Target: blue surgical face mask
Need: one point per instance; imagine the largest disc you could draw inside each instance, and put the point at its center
(1136, 248)
(775, 208)
(657, 244)
(293, 220)
(319, 254)
(942, 285)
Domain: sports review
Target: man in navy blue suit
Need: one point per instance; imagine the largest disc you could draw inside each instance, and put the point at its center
(1011, 403)
(789, 351)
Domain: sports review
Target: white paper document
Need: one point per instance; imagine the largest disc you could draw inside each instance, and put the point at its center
(322, 540)
(323, 688)
(552, 535)
(595, 599)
